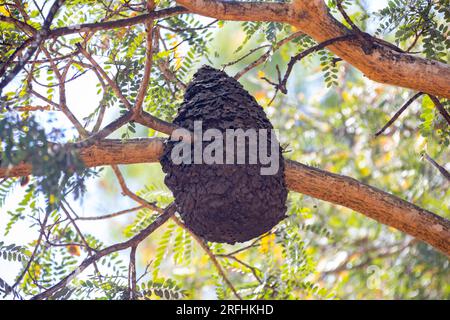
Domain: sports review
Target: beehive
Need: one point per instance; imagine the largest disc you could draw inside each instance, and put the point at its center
(224, 202)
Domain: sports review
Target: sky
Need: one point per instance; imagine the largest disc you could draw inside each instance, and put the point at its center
(82, 98)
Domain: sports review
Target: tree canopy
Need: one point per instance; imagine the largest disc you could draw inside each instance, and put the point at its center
(88, 92)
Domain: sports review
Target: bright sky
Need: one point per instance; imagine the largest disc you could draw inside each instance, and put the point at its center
(82, 98)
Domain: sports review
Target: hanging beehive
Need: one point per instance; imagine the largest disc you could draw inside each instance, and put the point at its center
(224, 202)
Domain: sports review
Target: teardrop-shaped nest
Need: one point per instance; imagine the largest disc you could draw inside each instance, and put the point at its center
(224, 202)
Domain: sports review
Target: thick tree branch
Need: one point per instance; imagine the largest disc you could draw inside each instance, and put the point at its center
(377, 60)
(239, 10)
(106, 152)
(372, 202)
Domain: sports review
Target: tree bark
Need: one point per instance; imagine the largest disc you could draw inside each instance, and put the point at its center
(370, 201)
(378, 62)
(345, 191)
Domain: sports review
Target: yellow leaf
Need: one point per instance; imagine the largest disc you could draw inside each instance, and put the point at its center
(346, 96)
(266, 243)
(427, 103)
(121, 32)
(365, 171)
(278, 252)
(178, 63)
(204, 260)
(4, 11)
(379, 90)
(36, 270)
(260, 95)
(74, 250)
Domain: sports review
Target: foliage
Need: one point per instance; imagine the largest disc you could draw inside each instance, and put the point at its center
(319, 251)
(57, 170)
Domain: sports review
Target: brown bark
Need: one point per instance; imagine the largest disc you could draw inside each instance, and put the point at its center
(378, 62)
(106, 152)
(372, 202)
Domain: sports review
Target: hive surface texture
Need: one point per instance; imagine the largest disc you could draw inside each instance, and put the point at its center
(224, 202)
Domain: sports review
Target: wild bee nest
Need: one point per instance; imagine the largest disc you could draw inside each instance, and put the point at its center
(224, 202)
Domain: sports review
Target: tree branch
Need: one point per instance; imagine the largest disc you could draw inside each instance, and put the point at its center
(441, 169)
(374, 57)
(370, 201)
(338, 189)
(132, 271)
(34, 44)
(398, 113)
(126, 191)
(148, 61)
(111, 215)
(211, 256)
(282, 84)
(239, 10)
(440, 108)
(168, 212)
(141, 117)
(108, 25)
(265, 56)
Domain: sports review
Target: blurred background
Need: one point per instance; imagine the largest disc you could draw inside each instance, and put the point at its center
(328, 119)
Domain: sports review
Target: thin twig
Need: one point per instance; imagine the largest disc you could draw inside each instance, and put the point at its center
(143, 118)
(385, 252)
(126, 191)
(398, 113)
(251, 268)
(132, 273)
(346, 17)
(80, 234)
(441, 169)
(249, 53)
(33, 255)
(62, 95)
(440, 108)
(167, 213)
(281, 85)
(211, 255)
(266, 55)
(111, 215)
(111, 83)
(148, 61)
(33, 44)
